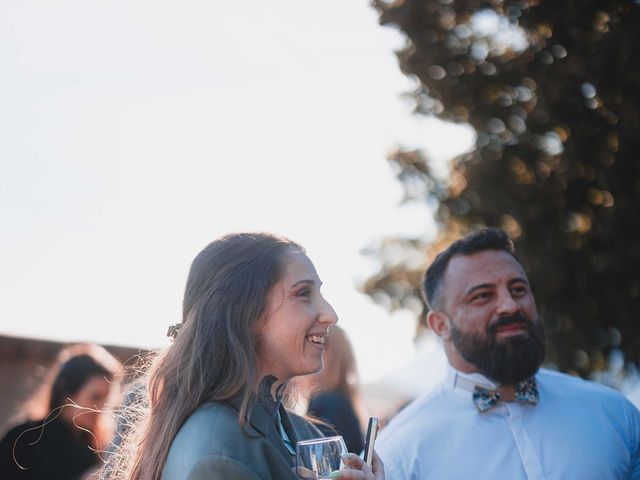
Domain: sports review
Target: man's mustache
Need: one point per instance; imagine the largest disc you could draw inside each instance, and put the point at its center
(508, 320)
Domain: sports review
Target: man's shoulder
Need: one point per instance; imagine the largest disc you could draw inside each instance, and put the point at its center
(552, 378)
(414, 431)
(424, 413)
(574, 388)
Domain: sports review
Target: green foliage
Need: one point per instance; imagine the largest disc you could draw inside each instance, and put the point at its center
(554, 95)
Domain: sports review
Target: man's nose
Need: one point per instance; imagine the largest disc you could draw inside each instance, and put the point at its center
(507, 305)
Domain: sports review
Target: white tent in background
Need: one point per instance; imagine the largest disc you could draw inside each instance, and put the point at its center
(425, 370)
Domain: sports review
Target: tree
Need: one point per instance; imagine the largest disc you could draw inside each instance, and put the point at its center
(552, 88)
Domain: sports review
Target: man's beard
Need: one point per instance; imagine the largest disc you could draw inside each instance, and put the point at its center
(509, 361)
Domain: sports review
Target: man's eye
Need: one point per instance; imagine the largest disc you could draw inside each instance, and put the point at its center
(518, 290)
(481, 296)
(305, 292)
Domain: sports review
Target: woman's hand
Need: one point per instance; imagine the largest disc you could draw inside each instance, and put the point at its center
(356, 469)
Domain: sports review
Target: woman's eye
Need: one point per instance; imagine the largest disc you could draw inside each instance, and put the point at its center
(304, 293)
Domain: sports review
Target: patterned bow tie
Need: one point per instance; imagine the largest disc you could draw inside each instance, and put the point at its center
(524, 392)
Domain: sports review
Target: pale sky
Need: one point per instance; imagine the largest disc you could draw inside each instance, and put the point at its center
(132, 133)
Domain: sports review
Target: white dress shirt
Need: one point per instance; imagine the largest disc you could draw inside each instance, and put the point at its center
(579, 430)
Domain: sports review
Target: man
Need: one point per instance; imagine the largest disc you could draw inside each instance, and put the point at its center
(497, 416)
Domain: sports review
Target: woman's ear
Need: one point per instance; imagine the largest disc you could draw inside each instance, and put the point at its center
(439, 323)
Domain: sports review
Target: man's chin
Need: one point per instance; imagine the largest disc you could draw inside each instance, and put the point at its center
(507, 355)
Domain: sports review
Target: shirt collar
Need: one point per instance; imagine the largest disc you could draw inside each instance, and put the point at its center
(463, 383)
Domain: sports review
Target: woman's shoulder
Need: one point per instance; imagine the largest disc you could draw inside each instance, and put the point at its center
(8, 453)
(215, 466)
(207, 431)
(213, 411)
(213, 444)
(210, 422)
(25, 432)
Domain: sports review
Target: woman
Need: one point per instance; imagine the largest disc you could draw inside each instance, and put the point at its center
(334, 394)
(253, 318)
(65, 444)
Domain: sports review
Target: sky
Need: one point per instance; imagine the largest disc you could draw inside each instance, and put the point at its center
(133, 133)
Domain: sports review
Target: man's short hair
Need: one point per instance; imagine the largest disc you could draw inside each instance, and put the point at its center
(478, 241)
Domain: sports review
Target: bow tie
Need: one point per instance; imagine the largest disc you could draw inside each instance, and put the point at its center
(524, 392)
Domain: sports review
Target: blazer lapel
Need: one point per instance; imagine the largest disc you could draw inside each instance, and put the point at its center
(288, 426)
(261, 422)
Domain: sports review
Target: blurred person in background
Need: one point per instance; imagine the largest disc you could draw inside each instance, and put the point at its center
(66, 428)
(333, 393)
(253, 319)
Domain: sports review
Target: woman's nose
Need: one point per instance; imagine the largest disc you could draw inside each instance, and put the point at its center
(328, 314)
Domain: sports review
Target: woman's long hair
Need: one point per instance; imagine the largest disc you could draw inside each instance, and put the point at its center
(213, 356)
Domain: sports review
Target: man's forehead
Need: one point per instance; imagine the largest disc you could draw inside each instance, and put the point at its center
(487, 266)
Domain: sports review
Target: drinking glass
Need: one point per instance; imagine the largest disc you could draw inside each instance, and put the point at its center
(318, 457)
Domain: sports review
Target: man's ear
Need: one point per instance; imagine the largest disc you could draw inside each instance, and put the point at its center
(439, 323)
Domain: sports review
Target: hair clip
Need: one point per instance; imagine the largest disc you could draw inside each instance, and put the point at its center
(173, 330)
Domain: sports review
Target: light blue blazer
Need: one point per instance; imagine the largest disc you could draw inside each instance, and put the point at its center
(212, 446)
